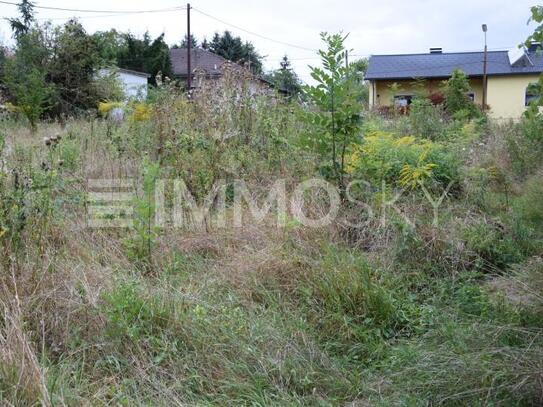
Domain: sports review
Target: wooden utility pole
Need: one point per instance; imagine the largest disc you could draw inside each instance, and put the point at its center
(189, 46)
(485, 79)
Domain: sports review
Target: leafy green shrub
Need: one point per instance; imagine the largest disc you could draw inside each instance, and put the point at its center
(493, 247)
(382, 157)
(26, 77)
(108, 87)
(472, 300)
(140, 246)
(525, 144)
(532, 125)
(222, 134)
(425, 118)
(134, 316)
(337, 118)
(529, 206)
(30, 91)
(463, 132)
(457, 102)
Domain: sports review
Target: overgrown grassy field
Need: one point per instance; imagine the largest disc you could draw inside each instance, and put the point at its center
(430, 311)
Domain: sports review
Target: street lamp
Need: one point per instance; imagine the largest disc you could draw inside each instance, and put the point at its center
(485, 29)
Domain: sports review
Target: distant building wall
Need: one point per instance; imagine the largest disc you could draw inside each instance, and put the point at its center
(133, 85)
(507, 95)
(381, 93)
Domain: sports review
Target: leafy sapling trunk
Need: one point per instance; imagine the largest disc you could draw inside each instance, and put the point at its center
(336, 117)
(141, 244)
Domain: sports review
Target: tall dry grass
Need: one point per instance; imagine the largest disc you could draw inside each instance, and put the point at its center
(255, 315)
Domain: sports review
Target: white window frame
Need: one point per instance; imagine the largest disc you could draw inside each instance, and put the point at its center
(403, 97)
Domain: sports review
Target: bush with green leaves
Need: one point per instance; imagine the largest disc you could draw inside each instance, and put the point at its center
(425, 118)
(72, 68)
(26, 77)
(285, 79)
(492, 246)
(336, 117)
(53, 72)
(532, 125)
(529, 206)
(133, 316)
(107, 87)
(382, 157)
(128, 51)
(525, 143)
(223, 133)
(140, 246)
(457, 102)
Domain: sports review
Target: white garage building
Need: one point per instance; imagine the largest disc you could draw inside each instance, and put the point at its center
(134, 83)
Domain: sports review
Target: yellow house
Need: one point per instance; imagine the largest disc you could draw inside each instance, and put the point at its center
(395, 79)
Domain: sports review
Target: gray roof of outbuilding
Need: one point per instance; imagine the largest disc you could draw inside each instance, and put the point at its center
(202, 59)
(210, 62)
(441, 65)
(135, 73)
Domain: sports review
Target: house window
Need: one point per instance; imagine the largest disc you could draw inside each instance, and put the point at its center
(402, 100)
(532, 94)
(471, 96)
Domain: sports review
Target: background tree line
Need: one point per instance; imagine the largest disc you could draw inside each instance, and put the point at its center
(51, 72)
(56, 71)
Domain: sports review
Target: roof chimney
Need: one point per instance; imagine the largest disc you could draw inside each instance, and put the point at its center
(437, 50)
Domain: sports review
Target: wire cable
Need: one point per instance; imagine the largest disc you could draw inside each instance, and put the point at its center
(253, 33)
(73, 10)
(115, 13)
(87, 17)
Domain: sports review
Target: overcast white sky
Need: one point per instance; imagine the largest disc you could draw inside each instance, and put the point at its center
(375, 27)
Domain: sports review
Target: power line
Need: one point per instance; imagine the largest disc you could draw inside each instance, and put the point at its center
(114, 12)
(253, 33)
(106, 15)
(81, 17)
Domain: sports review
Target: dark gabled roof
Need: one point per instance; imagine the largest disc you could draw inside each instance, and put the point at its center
(204, 60)
(441, 65)
(201, 59)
